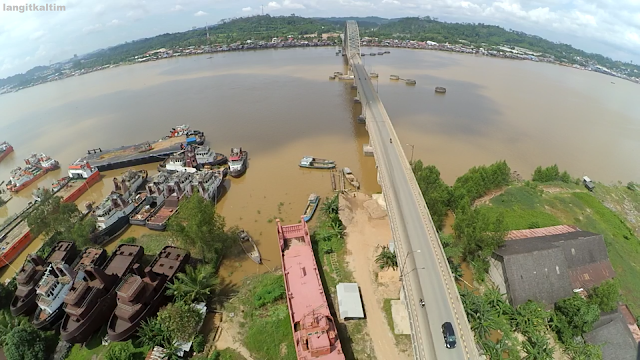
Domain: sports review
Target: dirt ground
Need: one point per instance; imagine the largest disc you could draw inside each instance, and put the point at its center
(229, 337)
(366, 231)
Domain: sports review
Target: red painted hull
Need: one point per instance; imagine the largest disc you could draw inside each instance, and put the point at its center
(26, 184)
(12, 253)
(81, 187)
(6, 153)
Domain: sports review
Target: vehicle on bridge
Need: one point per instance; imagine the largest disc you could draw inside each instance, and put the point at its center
(449, 335)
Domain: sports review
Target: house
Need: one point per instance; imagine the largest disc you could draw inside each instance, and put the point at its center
(614, 332)
(549, 264)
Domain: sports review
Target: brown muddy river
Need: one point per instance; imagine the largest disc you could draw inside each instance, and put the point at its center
(279, 105)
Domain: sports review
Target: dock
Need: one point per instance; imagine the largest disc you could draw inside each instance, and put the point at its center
(132, 155)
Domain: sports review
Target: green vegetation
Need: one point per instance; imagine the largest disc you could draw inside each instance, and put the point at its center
(550, 174)
(483, 35)
(124, 351)
(226, 354)
(25, 342)
(479, 180)
(195, 284)
(199, 228)
(180, 320)
(436, 193)
(57, 220)
(329, 234)
(605, 296)
(265, 318)
(386, 259)
(574, 317)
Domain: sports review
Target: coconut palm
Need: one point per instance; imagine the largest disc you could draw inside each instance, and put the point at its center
(194, 285)
(330, 206)
(151, 333)
(387, 259)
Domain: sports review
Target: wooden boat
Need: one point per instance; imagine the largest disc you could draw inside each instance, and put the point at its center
(441, 90)
(312, 205)
(249, 246)
(316, 163)
(351, 178)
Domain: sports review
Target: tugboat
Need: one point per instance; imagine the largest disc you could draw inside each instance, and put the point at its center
(29, 275)
(183, 161)
(249, 246)
(21, 178)
(112, 215)
(176, 188)
(316, 163)
(56, 283)
(81, 176)
(208, 183)
(5, 150)
(92, 297)
(153, 201)
(206, 156)
(141, 294)
(238, 162)
(47, 163)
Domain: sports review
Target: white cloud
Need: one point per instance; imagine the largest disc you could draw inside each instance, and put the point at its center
(200, 13)
(36, 35)
(177, 8)
(273, 5)
(92, 28)
(114, 22)
(246, 9)
(288, 4)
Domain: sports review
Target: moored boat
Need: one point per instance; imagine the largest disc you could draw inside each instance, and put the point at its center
(175, 189)
(142, 293)
(81, 177)
(21, 178)
(195, 137)
(249, 246)
(178, 131)
(315, 334)
(5, 150)
(153, 201)
(55, 285)
(441, 90)
(351, 178)
(112, 215)
(29, 275)
(92, 297)
(312, 205)
(316, 163)
(238, 162)
(15, 236)
(208, 183)
(182, 161)
(206, 156)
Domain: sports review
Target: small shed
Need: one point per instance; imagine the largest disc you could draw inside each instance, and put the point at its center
(349, 301)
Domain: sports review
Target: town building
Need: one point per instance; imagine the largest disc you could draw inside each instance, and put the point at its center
(549, 264)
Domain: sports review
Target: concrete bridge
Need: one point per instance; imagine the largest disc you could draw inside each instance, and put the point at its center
(424, 269)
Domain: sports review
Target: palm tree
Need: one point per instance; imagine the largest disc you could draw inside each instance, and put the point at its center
(195, 285)
(537, 348)
(387, 259)
(150, 333)
(330, 206)
(483, 320)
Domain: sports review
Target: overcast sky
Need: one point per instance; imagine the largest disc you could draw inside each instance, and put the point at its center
(28, 39)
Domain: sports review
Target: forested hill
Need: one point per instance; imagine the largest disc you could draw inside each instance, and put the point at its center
(266, 27)
(427, 28)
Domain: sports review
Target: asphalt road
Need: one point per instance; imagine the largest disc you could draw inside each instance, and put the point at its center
(426, 271)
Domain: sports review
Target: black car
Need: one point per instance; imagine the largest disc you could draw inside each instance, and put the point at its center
(449, 335)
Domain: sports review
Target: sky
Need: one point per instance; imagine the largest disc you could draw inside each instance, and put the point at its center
(31, 38)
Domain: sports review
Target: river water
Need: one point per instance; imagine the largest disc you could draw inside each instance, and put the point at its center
(280, 105)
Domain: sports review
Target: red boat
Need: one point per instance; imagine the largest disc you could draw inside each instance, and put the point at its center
(314, 331)
(81, 177)
(15, 237)
(5, 150)
(21, 178)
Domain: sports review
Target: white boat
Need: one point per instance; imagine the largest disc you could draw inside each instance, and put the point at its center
(208, 184)
(51, 290)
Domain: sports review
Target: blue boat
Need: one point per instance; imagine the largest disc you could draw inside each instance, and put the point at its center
(312, 205)
(315, 163)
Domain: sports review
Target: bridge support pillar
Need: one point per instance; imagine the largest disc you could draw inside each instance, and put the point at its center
(354, 87)
(361, 119)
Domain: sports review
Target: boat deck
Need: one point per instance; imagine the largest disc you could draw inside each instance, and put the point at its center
(162, 215)
(14, 235)
(137, 154)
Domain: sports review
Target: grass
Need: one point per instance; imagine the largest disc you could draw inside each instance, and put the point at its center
(403, 341)
(266, 329)
(227, 354)
(527, 207)
(152, 243)
(95, 348)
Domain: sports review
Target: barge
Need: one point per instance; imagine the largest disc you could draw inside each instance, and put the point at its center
(92, 297)
(138, 154)
(175, 189)
(141, 294)
(29, 275)
(5, 150)
(15, 236)
(153, 201)
(315, 334)
(56, 283)
(81, 176)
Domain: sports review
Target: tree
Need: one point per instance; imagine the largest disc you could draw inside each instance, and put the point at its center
(537, 348)
(8, 323)
(530, 318)
(121, 351)
(387, 259)
(436, 193)
(199, 227)
(477, 182)
(456, 269)
(578, 313)
(151, 333)
(195, 284)
(180, 320)
(494, 350)
(606, 295)
(25, 343)
(549, 174)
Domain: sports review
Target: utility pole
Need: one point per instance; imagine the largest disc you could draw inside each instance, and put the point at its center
(262, 7)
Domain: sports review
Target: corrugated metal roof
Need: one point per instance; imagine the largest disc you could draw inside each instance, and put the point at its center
(349, 302)
(551, 230)
(590, 275)
(157, 353)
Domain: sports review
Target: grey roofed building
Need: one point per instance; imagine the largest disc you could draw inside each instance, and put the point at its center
(349, 302)
(548, 268)
(613, 333)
